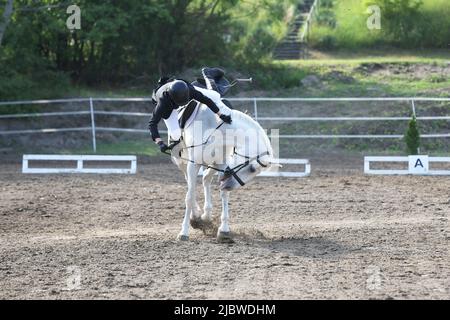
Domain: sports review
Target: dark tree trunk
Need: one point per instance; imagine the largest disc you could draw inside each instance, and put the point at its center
(6, 19)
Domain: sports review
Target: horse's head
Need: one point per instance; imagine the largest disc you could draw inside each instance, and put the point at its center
(253, 152)
(241, 175)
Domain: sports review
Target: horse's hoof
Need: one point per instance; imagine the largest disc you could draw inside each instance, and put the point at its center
(197, 223)
(182, 237)
(224, 237)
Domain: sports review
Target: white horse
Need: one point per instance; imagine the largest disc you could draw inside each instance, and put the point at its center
(238, 151)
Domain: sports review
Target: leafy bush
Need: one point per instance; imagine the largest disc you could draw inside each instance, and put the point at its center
(404, 23)
(412, 138)
(326, 3)
(435, 24)
(31, 79)
(327, 43)
(271, 76)
(326, 17)
(401, 17)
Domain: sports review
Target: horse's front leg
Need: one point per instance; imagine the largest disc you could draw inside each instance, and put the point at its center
(192, 171)
(196, 208)
(207, 208)
(223, 234)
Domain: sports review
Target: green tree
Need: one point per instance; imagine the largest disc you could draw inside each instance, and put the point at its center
(6, 18)
(412, 137)
(133, 41)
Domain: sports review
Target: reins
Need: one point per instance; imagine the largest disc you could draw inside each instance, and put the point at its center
(227, 171)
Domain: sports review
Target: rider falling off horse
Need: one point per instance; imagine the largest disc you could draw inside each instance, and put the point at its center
(171, 95)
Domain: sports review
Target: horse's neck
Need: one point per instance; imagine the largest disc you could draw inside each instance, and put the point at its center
(206, 116)
(204, 113)
(206, 119)
(259, 142)
(240, 122)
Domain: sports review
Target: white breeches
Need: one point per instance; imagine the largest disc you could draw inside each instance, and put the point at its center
(173, 127)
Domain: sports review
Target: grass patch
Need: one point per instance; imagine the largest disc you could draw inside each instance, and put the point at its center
(403, 75)
(344, 25)
(379, 55)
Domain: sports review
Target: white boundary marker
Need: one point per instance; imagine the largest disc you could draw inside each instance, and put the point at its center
(411, 160)
(287, 174)
(80, 161)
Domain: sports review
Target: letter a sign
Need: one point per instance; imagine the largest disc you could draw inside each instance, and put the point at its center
(74, 20)
(418, 164)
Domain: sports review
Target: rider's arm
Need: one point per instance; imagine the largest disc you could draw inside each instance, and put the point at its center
(200, 97)
(153, 124)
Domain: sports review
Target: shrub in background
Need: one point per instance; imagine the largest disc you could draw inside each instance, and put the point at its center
(411, 24)
(401, 19)
(412, 137)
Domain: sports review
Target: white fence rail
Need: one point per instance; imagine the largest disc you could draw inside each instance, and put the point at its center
(411, 162)
(80, 168)
(90, 110)
(277, 172)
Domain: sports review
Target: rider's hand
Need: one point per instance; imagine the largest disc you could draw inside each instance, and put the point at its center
(225, 118)
(162, 146)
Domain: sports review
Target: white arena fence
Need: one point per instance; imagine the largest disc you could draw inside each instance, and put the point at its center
(91, 127)
(417, 165)
(80, 164)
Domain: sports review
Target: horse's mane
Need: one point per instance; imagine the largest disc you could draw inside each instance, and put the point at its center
(240, 116)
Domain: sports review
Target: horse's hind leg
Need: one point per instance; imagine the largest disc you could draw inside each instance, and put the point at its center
(192, 171)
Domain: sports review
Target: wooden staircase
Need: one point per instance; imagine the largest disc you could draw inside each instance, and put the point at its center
(291, 48)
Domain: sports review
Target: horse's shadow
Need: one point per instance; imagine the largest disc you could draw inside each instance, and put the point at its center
(311, 247)
(304, 246)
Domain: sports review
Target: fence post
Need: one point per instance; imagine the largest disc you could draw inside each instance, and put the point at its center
(413, 108)
(255, 106)
(94, 142)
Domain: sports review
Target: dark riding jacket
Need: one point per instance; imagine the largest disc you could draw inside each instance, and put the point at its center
(165, 105)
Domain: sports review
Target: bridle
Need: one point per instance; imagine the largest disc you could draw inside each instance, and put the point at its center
(227, 172)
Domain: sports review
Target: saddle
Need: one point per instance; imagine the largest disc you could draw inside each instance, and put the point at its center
(217, 79)
(219, 83)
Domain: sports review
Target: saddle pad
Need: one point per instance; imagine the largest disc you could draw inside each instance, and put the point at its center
(188, 114)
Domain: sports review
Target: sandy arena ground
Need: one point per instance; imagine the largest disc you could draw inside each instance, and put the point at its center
(333, 235)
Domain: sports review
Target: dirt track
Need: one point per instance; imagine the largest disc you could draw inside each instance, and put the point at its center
(328, 236)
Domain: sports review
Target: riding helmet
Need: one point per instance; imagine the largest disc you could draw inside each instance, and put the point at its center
(179, 92)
